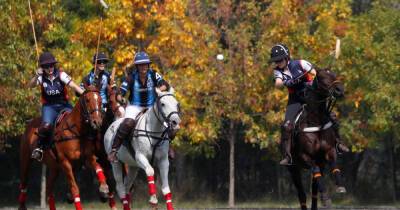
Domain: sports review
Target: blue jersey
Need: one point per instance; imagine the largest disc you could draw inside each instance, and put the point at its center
(142, 94)
(54, 90)
(100, 82)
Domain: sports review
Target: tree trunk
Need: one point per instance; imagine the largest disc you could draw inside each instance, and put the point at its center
(231, 138)
(43, 188)
(393, 164)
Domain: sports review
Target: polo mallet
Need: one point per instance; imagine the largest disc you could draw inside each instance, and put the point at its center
(34, 33)
(103, 3)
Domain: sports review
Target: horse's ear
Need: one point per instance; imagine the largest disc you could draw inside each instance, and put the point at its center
(171, 90)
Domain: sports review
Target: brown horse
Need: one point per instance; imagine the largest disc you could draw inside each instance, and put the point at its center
(314, 136)
(70, 141)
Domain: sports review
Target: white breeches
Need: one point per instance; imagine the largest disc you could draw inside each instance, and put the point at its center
(132, 111)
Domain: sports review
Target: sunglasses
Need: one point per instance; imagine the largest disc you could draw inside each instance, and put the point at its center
(47, 66)
(101, 62)
(279, 61)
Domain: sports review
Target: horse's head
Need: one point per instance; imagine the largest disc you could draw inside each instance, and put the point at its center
(116, 108)
(327, 84)
(90, 102)
(169, 109)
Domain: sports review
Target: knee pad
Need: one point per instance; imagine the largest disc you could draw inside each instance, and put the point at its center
(45, 130)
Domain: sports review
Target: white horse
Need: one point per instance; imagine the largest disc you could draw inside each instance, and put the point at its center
(149, 144)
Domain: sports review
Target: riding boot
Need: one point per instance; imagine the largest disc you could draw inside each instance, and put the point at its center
(286, 143)
(44, 134)
(122, 133)
(340, 147)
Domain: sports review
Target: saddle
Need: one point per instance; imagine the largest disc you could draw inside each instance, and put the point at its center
(303, 115)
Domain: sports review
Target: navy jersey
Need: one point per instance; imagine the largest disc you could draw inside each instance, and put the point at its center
(54, 90)
(100, 82)
(295, 69)
(142, 94)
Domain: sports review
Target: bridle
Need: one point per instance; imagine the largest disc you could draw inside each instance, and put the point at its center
(329, 99)
(86, 112)
(165, 120)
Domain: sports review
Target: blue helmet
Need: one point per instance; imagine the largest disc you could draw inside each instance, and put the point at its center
(141, 58)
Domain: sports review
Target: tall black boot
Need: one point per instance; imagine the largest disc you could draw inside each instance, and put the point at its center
(122, 133)
(44, 133)
(286, 143)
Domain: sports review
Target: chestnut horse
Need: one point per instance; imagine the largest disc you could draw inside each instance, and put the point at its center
(70, 141)
(314, 137)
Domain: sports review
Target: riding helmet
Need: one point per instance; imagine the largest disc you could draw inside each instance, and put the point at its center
(101, 57)
(47, 58)
(141, 58)
(279, 52)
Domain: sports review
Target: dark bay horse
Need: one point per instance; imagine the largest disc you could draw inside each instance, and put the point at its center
(114, 111)
(314, 138)
(70, 141)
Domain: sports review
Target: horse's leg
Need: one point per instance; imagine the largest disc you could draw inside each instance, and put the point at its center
(129, 179)
(117, 169)
(145, 165)
(296, 177)
(51, 179)
(92, 163)
(315, 186)
(111, 184)
(67, 167)
(163, 166)
(332, 157)
(25, 163)
(324, 196)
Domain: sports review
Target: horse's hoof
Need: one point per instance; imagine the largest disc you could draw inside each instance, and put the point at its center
(341, 190)
(69, 198)
(102, 198)
(22, 207)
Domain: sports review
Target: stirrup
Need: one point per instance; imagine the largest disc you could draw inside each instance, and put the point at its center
(37, 154)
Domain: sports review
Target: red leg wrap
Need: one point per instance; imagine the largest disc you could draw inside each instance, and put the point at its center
(111, 200)
(22, 193)
(100, 174)
(51, 202)
(125, 203)
(77, 202)
(152, 186)
(168, 200)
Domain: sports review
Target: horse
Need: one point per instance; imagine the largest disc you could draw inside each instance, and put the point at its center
(314, 137)
(113, 112)
(85, 112)
(148, 143)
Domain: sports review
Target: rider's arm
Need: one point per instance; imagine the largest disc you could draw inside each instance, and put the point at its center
(66, 79)
(36, 80)
(161, 83)
(278, 78)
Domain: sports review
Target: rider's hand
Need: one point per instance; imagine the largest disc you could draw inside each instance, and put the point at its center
(291, 82)
(39, 71)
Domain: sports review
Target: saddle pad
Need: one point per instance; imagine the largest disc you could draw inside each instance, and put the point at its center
(61, 116)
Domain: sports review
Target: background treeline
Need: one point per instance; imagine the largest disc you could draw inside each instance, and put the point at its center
(226, 104)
